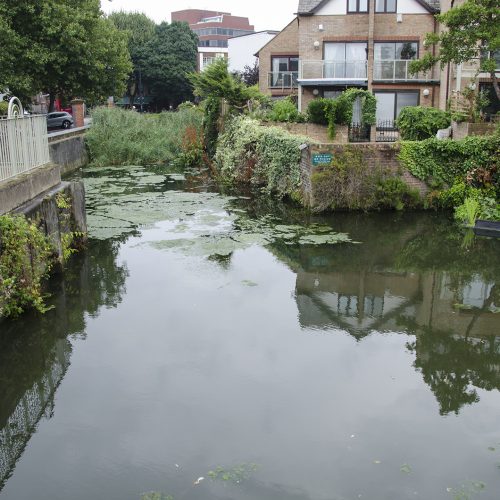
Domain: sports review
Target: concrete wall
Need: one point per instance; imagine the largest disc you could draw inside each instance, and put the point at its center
(67, 149)
(54, 220)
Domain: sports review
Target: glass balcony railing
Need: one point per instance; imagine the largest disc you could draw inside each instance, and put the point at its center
(283, 79)
(396, 71)
(334, 70)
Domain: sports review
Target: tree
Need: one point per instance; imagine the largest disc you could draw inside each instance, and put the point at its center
(61, 47)
(140, 30)
(251, 73)
(471, 31)
(169, 58)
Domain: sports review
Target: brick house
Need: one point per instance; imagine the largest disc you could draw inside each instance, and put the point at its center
(214, 29)
(335, 44)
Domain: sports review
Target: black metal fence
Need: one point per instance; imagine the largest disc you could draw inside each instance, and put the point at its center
(386, 131)
(359, 132)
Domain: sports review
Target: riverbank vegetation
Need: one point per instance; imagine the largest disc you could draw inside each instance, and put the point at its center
(25, 260)
(123, 137)
(456, 171)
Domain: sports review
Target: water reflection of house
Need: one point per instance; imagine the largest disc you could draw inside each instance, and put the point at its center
(373, 300)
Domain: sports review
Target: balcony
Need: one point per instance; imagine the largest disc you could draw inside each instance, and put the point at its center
(397, 71)
(283, 80)
(341, 71)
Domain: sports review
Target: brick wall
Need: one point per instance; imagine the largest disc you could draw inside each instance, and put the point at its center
(318, 133)
(285, 43)
(375, 155)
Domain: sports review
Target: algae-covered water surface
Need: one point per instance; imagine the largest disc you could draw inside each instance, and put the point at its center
(226, 345)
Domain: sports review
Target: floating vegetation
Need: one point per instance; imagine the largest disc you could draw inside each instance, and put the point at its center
(235, 474)
(405, 468)
(155, 495)
(467, 490)
(122, 200)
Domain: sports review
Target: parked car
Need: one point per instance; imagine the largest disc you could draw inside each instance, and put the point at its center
(59, 119)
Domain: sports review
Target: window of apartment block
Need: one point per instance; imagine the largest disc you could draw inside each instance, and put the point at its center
(285, 63)
(345, 60)
(385, 5)
(390, 104)
(355, 6)
(392, 60)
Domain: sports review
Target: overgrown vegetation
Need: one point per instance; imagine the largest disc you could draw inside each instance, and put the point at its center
(349, 184)
(121, 137)
(339, 111)
(417, 123)
(266, 156)
(439, 163)
(285, 110)
(222, 94)
(317, 109)
(25, 260)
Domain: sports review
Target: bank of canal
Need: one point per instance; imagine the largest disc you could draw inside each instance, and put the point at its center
(274, 354)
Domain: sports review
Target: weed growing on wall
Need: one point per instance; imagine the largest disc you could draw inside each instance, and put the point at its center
(25, 260)
(350, 184)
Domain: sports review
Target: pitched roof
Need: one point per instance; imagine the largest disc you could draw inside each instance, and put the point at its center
(308, 7)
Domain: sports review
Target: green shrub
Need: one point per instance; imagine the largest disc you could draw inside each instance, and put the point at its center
(268, 156)
(316, 111)
(25, 260)
(4, 107)
(417, 123)
(284, 110)
(394, 193)
(122, 137)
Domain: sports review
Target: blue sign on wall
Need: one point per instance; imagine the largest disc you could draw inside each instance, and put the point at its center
(319, 159)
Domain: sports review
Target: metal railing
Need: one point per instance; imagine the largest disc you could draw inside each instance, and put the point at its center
(396, 70)
(386, 131)
(283, 79)
(23, 145)
(334, 70)
(359, 132)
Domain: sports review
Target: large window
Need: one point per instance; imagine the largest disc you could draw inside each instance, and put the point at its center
(392, 60)
(345, 60)
(390, 104)
(357, 6)
(284, 71)
(385, 5)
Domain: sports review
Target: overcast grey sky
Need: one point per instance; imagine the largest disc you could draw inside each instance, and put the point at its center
(264, 14)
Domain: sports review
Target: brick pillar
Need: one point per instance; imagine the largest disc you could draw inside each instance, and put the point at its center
(78, 107)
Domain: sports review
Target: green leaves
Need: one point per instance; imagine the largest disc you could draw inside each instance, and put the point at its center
(416, 123)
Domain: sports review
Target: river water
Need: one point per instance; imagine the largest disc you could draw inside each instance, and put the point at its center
(227, 346)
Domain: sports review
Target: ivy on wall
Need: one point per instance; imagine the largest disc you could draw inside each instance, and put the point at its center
(441, 162)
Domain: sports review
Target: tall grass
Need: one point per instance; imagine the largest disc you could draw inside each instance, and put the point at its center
(122, 137)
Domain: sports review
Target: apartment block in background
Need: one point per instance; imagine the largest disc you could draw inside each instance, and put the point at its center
(214, 28)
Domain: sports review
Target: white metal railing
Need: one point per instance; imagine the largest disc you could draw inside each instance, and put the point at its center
(23, 145)
(283, 79)
(333, 70)
(395, 70)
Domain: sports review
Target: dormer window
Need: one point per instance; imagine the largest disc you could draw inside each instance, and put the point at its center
(357, 6)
